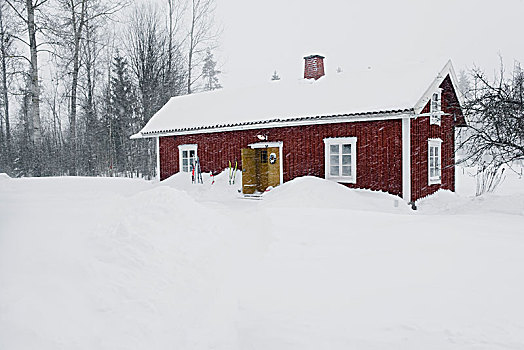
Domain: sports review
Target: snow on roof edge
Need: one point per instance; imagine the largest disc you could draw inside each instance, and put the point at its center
(274, 123)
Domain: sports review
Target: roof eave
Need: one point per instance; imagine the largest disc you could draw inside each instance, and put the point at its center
(278, 123)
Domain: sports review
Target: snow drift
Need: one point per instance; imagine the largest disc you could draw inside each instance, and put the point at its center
(126, 264)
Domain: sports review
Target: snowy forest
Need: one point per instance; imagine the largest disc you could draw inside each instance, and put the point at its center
(79, 77)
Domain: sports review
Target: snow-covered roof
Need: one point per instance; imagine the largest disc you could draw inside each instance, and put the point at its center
(387, 91)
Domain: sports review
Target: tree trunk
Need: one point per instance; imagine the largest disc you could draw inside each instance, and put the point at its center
(34, 88)
(77, 32)
(3, 57)
(191, 47)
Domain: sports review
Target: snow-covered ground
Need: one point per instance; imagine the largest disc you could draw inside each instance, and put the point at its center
(98, 263)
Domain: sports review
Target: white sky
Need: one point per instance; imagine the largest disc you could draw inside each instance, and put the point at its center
(262, 36)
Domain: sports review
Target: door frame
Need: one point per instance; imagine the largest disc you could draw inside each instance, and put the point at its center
(280, 145)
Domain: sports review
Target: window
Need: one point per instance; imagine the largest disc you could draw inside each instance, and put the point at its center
(341, 159)
(263, 156)
(434, 161)
(435, 108)
(186, 156)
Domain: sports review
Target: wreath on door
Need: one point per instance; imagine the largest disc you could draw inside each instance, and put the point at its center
(272, 158)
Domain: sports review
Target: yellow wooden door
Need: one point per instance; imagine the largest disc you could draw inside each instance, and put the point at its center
(273, 164)
(261, 169)
(249, 176)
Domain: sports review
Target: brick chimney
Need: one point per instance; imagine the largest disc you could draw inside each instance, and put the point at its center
(313, 67)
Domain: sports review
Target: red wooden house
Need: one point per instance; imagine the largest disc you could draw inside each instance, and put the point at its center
(386, 128)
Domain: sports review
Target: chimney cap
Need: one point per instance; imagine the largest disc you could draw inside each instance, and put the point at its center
(313, 56)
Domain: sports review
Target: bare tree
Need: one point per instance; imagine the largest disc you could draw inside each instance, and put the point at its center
(5, 44)
(495, 114)
(174, 72)
(203, 34)
(68, 28)
(146, 47)
(146, 43)
(30, 7)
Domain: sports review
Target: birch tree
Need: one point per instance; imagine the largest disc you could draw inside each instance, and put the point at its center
(174, 72)
(202, 34)
(5, 138)
(26, 11)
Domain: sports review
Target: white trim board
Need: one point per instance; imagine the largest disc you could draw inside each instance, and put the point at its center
(157, 158)
(406, 159)
(282, 124)
(266, 144)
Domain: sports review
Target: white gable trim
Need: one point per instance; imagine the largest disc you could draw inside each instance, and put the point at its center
(435, 85)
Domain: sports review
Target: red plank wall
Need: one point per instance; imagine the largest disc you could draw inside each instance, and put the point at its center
(421, 130)
(379, 151)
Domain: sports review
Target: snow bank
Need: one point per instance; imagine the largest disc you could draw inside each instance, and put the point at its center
(95, 269)
(508, 197)
(214, 188)
(314, 192)
(126, 264)
(4, 176)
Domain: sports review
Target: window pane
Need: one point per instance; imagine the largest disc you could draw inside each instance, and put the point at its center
(333, 149)
(184, 168)
(334, 170)
(184, 162)
(192, 153)
(431, 172)
(431, 152)
(346, 160)
(346, 170)
(263, 156)
(434, 103)
(346, 149)
(431, 162)
(184, 154)
(333, 160)
(436, 151)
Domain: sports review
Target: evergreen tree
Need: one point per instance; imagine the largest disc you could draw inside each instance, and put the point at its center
(121, 116)
(209, 73)
(275, 76)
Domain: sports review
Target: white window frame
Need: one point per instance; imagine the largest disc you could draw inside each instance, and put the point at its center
(437, 161)
(435, 107)
(327, 159)
(181, 149)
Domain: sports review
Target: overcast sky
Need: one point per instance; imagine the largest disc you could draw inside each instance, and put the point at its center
(262, 36)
